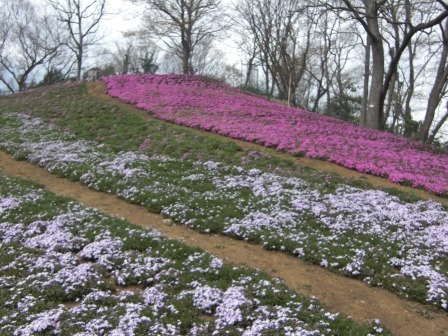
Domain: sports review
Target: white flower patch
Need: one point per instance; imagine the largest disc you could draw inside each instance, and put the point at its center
(10, 232)
(155, 297)
(29, 123)
(282, 213)
(163, 330)
(216, 263)
(210, 165)
(119, 165)
(53, 235)
(45, 273)
(260, 221)
(139, 269)
(373, 212)
(76, 278)
(355, 267)
(43, 322)
(8, 203)
(46, 145)
(436, 236)
(96, 249)
(103, 251)
(195, 263)
(231, 310)
(58, 154)
(94, 297)
(98, 326)
(130, 321)
(207, 298)
(279, 320)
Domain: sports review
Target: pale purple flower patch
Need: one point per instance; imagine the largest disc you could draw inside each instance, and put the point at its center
(350, 226)
(58, 259)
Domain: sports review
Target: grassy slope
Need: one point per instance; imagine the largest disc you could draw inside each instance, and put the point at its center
(102, 275)
(70, 107)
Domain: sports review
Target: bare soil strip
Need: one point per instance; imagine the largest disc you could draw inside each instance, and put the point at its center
(98, 89)
(351, 297)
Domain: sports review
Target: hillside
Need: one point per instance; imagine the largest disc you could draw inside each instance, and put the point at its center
(198, 102)
(213, 185)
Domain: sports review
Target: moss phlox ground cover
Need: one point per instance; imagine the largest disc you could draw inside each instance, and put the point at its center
(198, 102)
(69, 270)
(367, 234)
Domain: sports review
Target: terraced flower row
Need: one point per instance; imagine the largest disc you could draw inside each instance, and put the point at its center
(69, 270)
(366, 234)
(197, 102)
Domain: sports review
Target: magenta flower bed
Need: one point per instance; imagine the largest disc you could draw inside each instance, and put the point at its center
(198, 102)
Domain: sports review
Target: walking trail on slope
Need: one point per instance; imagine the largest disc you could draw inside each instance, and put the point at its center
(339, 293)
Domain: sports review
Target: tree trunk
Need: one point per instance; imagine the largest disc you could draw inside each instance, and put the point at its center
(22, 85)
(408, 129)
(79, 66)
(186, 61)
(438, 127)
(374, 112)
(365, 93)
(374, 106)
(80, 45)
(186, 54)
(437, 89)
(392, 95)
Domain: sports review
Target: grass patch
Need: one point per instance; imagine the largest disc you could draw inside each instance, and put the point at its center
(355, 231)
(89, 264)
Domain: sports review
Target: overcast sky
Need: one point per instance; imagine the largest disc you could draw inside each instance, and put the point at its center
(125, 16)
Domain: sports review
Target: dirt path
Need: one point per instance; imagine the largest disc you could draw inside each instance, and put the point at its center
(97, 89)
(339, 293)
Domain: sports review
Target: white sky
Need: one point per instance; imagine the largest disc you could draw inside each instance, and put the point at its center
(126, 16)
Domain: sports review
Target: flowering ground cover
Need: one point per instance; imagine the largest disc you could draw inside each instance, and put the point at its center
(66, 269)
(367, 234)
(212, 106)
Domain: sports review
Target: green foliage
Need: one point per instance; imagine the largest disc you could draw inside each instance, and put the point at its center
(344, 107)
(410, 126)
(53, 76)
(253, 89)
(91, 119)
(99, 300)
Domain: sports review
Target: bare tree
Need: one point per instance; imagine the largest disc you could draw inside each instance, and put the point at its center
(134, 54)
(170, 63)
(282, 31)
(182, 25)
(250, 49)
(82, 19)
(122, 56)
(29, 39)
(333, 43)
(438, 90)
(207, 59)
(372, 15)
(5, 24)
(438, 126)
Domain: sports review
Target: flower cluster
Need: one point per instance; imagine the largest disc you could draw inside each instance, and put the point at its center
(88, 281)
(367, 234)
(212, 106)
